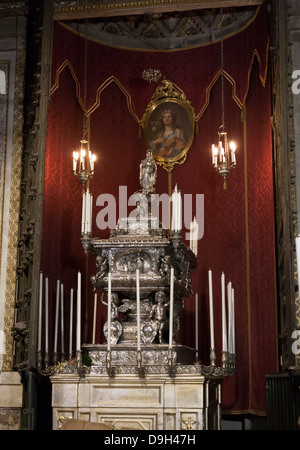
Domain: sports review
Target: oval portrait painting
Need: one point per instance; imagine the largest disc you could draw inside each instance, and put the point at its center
(169, 129)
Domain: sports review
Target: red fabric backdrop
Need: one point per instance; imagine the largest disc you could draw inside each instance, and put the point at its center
(238, 222)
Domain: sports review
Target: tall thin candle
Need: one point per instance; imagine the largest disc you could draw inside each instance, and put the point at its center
(40, 313)
(109, 312)
(211, 310)
(78, 322)
(83, 213)
(224, 331)
(171, 308)
(174, 208)
(46, 315)
(71, 324)
(56, 316)
(91, 213)
(233, 320)
(193, 244)
(87, 210)
(195, 236)
(229, 289)
(179, 212)
(94, 318)
(62, 319)
(196, 322)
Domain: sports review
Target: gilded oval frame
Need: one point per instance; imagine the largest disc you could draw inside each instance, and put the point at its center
(169, 104)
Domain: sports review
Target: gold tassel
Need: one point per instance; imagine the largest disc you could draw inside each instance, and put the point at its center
(140, 132)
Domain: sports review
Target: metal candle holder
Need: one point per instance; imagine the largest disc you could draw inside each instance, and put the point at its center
(83, 163)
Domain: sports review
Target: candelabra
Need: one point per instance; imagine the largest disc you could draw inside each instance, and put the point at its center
(223, 160)
(226, 369)
(223, 155)
(83, 163)
(83, 169)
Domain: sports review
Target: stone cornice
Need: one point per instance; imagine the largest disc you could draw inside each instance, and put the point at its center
(71, 10)
(79, 9)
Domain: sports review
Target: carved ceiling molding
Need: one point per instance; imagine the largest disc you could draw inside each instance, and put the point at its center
(79, 9)
(169, 32)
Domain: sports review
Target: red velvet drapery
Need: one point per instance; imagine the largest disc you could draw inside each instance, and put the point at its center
(238, 223)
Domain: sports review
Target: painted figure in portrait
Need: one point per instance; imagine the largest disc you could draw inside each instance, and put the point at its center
(168, 136)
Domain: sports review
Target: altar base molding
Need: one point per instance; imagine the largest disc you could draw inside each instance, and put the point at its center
(156, 402)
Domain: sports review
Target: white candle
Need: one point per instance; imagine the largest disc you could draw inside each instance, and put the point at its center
(216, 158)
(83, 214)
(176, 211)
(91, 213)
(75, 157)
(90, 158)
(71, 322)
(171, 307)
(174, 208)
(195, 236)
(87, 210)
(222, 155)
(46, 314)
(233, 320)
(196, 321)
(82, 159)
(224, 331)
(193, 227)
(109, 312)
(211, 310)
(179, 212)
(233, 160)
(138, 310)
(94, 319)
(40, 313)
(229, 317)
(78, 328)
(62, 319)
(233, 148)
(93, 163)
(56, 316)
